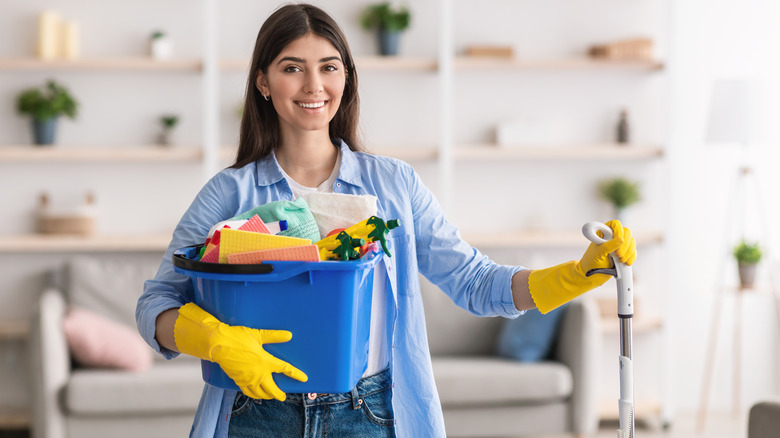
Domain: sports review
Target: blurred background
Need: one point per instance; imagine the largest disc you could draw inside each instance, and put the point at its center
(516, 113)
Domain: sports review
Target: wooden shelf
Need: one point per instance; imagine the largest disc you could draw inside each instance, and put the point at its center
(492, 152)
(87, 154)
(152, 153)
(363, 63)
(36, 243)
(406, 152)
(424, 64)
(574, 63)
(101, 64)
(14, 418)
(543, 239)
(13, 330)
(608, 151)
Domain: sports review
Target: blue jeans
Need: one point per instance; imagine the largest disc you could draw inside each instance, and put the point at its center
(365, 412)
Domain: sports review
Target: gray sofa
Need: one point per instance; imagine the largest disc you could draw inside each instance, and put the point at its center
(482, 395)
(79, 402)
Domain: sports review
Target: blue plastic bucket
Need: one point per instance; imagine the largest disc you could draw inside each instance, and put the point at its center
(326, 305)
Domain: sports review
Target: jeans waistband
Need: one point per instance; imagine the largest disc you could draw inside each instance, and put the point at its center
(365, 386)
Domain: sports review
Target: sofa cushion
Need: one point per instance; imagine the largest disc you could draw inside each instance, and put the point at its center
(109, 286)
(530, 337)
(95, 341)
(464, 381)
(173, 386)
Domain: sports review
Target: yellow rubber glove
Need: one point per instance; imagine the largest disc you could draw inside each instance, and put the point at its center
(237, 349)
(553, 287)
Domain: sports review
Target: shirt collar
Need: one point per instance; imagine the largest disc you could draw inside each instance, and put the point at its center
(350, 166)
(269, 172)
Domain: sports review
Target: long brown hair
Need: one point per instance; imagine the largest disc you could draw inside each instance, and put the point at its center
(260, 132)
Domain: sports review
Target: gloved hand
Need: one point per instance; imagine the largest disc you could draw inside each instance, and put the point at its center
(560, 284)
(237, 349)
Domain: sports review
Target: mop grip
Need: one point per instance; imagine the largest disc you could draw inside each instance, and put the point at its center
(623, 274)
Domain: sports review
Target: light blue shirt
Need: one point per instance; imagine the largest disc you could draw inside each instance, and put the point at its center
(425, 243)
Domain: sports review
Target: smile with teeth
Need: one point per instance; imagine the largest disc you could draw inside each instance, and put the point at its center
(311, 105)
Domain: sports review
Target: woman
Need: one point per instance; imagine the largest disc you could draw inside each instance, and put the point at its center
(299, 134)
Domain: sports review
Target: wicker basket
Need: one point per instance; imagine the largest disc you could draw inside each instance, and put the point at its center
(79, 221)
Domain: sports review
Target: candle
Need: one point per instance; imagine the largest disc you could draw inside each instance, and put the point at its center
(48, 27)
(70, 43)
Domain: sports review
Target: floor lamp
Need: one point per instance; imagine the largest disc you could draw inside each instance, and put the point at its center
(734, 118)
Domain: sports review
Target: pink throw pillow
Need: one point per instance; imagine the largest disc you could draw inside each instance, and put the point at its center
(97, 341)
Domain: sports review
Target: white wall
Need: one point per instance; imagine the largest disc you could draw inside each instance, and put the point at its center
(715, 40)
(708, 39)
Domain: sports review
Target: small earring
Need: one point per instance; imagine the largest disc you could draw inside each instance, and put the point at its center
(267, 97)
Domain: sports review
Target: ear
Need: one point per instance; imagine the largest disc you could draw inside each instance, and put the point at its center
(261, 83)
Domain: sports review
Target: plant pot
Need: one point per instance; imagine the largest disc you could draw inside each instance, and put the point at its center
(622, 215)
(388, 41)
(44, 131)
(747, 274)
(165, 138)
(161, 48)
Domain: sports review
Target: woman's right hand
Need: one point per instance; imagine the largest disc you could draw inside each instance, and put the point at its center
(237, 349)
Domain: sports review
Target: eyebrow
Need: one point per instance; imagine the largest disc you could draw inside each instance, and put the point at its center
(303, 61)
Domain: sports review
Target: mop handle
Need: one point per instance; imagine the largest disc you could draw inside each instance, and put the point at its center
(625, 286)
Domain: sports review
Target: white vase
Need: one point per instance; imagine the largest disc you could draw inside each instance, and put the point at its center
(161, 48)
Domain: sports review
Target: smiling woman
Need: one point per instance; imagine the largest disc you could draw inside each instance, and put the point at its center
(299, 136)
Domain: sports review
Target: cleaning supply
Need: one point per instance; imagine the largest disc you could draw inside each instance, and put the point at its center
(237, 349)
(374, 229)
(307, 253)
(300, 221)
(337, 246)
(339, 210)
(237, 241)
(560, 284)
(621, 270)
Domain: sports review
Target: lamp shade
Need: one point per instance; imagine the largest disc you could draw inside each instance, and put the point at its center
(735, 112)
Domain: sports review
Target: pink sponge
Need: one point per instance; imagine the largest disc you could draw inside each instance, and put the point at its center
(307, 253)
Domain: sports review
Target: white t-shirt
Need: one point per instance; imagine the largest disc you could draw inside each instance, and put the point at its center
(378, 357)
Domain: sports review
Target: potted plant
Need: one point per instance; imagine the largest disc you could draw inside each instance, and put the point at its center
(167, 122)
(45, 105)
(748, 255)
(621, 193)
(388, 21)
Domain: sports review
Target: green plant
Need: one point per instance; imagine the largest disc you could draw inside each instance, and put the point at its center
(385, 16)
(169, 121)
(47, 102)
(157, 34)
(620, 192)
(749, 253)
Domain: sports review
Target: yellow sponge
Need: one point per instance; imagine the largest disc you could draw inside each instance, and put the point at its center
(237, 241)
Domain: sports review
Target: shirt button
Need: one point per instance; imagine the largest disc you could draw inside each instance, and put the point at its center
(338, 184)
(312, 395)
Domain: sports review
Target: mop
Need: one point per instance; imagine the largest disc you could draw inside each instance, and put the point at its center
(625, 286)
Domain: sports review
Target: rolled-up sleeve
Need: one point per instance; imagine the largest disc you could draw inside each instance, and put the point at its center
(471, 279)
(169, 289)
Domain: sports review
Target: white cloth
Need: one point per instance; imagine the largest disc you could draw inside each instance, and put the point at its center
(338, 210)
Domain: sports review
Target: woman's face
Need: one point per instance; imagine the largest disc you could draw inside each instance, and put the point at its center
(305, 83)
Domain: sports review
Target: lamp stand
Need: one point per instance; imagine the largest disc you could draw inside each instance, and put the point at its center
(737, 204)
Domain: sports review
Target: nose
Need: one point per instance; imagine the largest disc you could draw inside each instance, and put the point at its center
(313, 83)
